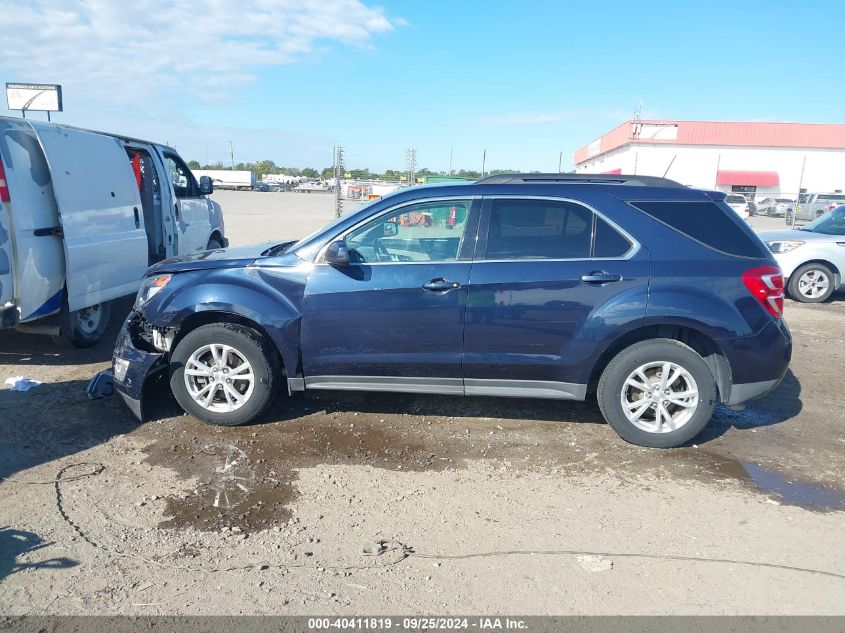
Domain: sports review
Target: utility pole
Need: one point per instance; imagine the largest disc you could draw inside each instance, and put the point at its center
(232, 154)
(338, 174)
(450, 160)
(411, 165)
(560, 163)
(483, 161)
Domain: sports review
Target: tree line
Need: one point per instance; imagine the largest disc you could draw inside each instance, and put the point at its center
(262, 168)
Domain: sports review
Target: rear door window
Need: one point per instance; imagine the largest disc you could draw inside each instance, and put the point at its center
(609, 242)
(539, 229)
(713, 224)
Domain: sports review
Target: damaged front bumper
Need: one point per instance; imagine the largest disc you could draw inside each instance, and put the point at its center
(135, 360)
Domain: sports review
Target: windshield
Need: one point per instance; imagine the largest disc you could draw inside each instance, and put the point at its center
(832, 223)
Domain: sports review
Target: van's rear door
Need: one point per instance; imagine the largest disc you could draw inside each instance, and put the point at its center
(100, 212)
(7, 289)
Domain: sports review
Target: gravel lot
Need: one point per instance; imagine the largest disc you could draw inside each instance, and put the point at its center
(485, 505)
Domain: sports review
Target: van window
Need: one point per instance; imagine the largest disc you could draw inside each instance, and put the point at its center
(539, 229)
(713, 224)
(184, 183)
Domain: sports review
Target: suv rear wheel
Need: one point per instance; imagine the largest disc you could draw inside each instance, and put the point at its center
(658, 393)
(224, 374)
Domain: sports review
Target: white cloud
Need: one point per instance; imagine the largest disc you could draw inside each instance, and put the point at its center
(538, 118)
(121, 51)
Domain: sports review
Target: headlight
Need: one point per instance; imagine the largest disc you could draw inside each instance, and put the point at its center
(783, 247)
(150, 288)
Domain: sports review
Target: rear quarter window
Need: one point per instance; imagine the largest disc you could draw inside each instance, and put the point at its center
(713, 224)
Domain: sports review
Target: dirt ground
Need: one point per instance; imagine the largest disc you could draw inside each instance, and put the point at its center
(411, 504)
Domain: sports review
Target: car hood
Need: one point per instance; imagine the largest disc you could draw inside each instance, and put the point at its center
(235, 257)
(789, 235)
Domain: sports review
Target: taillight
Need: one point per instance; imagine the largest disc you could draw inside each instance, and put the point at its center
(766, 284)
(4, 188)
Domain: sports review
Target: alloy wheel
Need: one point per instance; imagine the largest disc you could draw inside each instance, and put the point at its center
(659, 397)
(219, 378)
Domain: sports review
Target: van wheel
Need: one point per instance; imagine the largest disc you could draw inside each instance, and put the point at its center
(811, 283)
(82, 328)
(658, 393)
(224, 374)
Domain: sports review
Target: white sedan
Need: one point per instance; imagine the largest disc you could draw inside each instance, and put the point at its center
(739, 204)
(813, 257)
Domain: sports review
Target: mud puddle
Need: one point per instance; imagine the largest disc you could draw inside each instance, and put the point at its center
(245, 478)
(787, 490)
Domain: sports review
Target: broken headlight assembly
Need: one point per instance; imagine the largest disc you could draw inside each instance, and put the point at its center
(150, 287)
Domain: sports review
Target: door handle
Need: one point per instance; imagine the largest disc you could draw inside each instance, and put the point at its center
(137, 218)
(441, 285)
(53, 231)
(600, 278)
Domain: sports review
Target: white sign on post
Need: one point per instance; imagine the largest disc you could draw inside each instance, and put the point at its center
(34, 97)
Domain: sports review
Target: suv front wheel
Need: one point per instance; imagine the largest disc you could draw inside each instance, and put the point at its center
(224, 374)
(658, 393)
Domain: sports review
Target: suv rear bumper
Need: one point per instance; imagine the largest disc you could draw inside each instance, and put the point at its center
(744, 391)
(758, 363)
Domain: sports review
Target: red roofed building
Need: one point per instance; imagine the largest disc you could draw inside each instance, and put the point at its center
(748, 157)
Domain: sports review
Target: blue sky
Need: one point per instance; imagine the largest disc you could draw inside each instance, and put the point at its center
(525, 80)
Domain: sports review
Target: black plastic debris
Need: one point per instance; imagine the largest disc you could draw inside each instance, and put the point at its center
(101, 385)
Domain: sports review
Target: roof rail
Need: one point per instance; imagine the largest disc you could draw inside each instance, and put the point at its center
(607, 179)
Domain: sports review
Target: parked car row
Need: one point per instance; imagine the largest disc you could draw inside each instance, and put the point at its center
(813, 205)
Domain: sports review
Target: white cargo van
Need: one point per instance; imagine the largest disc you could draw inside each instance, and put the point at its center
(82, 215)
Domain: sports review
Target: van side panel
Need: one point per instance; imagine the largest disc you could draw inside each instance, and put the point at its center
(37, 277)
(100, 211)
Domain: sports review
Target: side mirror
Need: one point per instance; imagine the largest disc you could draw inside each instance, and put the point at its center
(391, 229)
(337, 254)
(206, 185)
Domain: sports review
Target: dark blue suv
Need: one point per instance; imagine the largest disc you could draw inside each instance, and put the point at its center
(653, 296)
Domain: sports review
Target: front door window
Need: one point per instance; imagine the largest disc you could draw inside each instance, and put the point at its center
(427, 232)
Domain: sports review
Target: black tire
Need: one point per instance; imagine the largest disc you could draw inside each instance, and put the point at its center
(213, 244)
(248, 343)
(82, 328)
(819, 269)
(613, 382)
